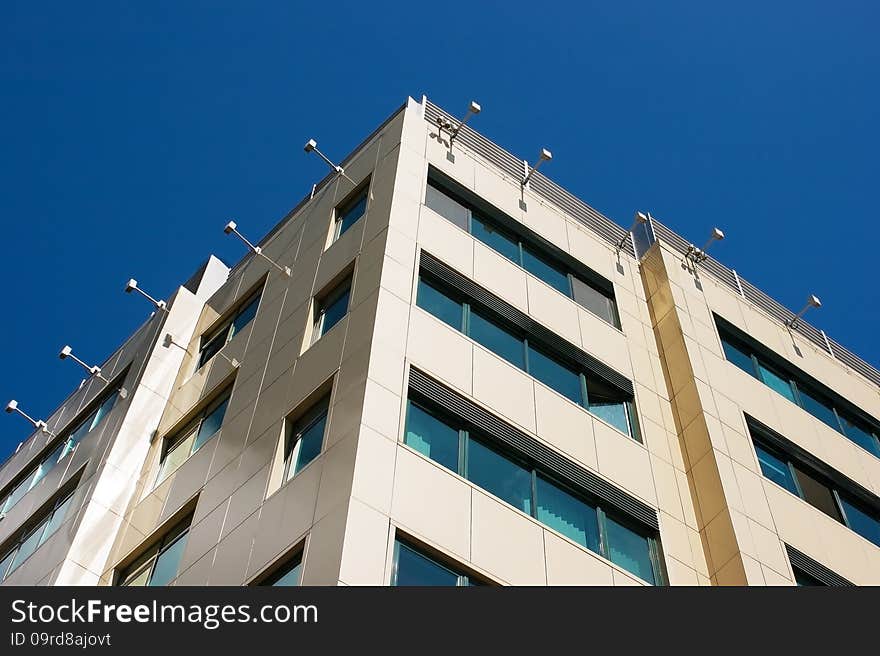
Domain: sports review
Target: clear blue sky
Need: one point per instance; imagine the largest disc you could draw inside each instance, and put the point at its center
(131, 134)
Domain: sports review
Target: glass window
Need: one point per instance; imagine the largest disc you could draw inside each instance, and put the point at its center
(440, 305)
(499, 475)
(168, 561)
(348, 215)
(776, 382)
(818, 407)
(159, 565)
(306, 439)
(104, 409)
(212, 346)
(629, 550)
(594, 300)
(432, 437)
(496, 239)
(498, 340)
(244, 317)
(738, 357)
(539, 267)
(289, 575)
(331, 311)
(775, 469)
(177, 453)
(210, 425)
(860, 520)
(57, 518)
(817, 494)
(29, 545)
(607, 403)
(555, 375)
(211, 343)
(446, 206)
(567, 514)
(412, 568)
(804, 579)
(5, 563)
(858, 434)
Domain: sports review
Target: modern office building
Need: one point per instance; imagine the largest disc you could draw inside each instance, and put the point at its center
(439, 372)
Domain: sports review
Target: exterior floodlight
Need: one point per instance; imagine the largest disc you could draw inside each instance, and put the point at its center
(640, 219)
(545, 156)
(312, 146)
(39, 424)
(232, 229)
(95, 370)
(699, 254)
(133, 286)
(473, 109)
(812, 302)
(168, 341)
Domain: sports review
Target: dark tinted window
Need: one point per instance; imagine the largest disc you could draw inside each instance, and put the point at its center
(555, 375)
(431, 436)
(440, 305)
(498, 340)
(499, 475)
(495, 238)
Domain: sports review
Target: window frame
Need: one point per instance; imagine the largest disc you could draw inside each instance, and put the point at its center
(348, 203)
(801, 385)
(324, 301)
(282, 567)
(535, 470)
(524, 242)
(41, 523)
(762, 437)
(320, 409)
(224, 327)
(528, 342)
(66, 442)
(148, 558)
(463, 579)
(191, 429)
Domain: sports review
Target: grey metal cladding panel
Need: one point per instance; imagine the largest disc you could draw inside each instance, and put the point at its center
(532, 328)
(554, 463)
(539, 184)
(816, 569)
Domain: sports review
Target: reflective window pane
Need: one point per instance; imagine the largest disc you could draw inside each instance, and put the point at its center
(629, 550)
(176, 455)
(496, 239)
(168, 562)
(858, 519)
(30, 544)
(446, 206)
(212, 346)
(818, 407)
(290, 577)
(415, 569)
(542, 268)
(5, 563)
(608, 404)
(817, 494)
(775, 469)
(244, 317)
(555, 375)
(594, 300)
(860, 435)
(58, 517)
(349, 215)
(738, 357)
(498, 340)
(210, 425)
(439, 304)
(307, 445)
(432, 437)
(776, 382)
(499, 476)
(567, 514)
(103, 410)
(334, 311)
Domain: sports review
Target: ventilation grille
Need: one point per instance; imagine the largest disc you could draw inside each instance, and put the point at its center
(817, 570)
